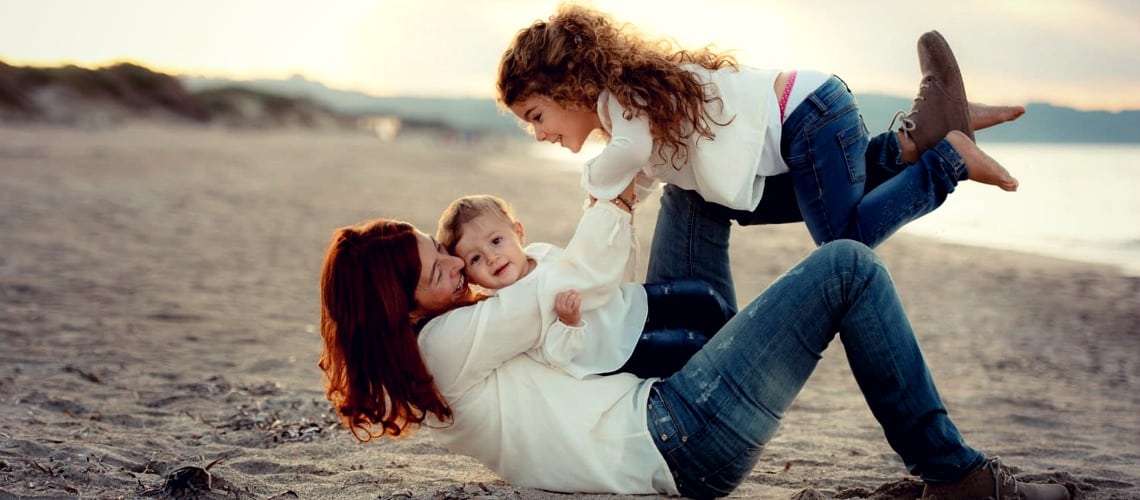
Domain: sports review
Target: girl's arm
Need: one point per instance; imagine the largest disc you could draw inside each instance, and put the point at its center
(628, 151)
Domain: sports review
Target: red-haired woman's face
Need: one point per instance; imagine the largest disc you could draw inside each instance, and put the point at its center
(441, 281)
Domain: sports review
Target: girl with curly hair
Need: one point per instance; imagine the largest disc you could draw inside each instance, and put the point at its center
(734, 142)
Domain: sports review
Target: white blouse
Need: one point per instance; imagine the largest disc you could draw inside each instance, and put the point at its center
(609, 329)
(533, 424)
(728, 170)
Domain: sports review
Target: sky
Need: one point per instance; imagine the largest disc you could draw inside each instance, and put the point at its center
(1079, 53)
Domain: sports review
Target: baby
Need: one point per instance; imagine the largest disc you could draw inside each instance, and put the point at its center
(619, 327)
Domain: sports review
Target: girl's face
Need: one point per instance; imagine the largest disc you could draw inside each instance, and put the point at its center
(441, 281)
(556, 124)
(492, 250)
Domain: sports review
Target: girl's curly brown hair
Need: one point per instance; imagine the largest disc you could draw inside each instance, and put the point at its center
(580, 52)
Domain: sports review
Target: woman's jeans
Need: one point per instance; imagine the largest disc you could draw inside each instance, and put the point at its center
(683, 315)
(712, 419)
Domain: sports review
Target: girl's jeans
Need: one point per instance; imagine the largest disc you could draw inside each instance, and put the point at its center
(711, 419)
(683, 315)
(825, 144)
(843, 184)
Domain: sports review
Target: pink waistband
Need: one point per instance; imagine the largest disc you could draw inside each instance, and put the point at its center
(787, 92)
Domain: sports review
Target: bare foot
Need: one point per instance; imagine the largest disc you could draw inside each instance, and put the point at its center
(981, 167)
(908, 150)
(985, 116)
(981, 116)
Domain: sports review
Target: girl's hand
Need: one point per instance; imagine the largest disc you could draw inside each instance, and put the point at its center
(628, 198)
(567, 306)
(625, 201)
(630, 193)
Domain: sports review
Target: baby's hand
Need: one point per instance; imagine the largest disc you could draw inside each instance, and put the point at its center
(566, 305)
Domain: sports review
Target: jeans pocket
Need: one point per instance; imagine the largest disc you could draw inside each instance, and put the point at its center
(663, 423)
(853, 142)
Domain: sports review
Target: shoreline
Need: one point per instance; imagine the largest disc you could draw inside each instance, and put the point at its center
(160, 311)
(957, 221)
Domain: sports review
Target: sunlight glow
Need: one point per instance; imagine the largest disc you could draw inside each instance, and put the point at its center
(1081, 54)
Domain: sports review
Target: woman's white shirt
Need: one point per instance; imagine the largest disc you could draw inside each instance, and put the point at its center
(535, 425)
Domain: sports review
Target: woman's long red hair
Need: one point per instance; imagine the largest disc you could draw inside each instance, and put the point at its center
(373, 370)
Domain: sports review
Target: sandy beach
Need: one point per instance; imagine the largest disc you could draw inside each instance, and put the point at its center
(158, 315)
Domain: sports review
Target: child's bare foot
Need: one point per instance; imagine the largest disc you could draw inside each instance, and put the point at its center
(981, 116)
(980, 167)
(985, 116)
(908, 150)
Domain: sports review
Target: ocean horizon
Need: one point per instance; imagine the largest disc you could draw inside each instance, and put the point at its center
(1075, 201)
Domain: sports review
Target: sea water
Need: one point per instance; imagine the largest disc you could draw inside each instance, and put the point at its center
(1075, 201)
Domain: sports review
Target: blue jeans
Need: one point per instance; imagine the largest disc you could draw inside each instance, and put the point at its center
(843, 184)
(825, 145)
(683, 316)
(712, 419)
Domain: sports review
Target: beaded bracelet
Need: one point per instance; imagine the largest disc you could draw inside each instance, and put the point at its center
(628, 205)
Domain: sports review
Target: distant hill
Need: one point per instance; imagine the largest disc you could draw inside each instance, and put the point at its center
(1041, 123)
(111, 95)
(76, 95)
(59, 94)
(458, 113)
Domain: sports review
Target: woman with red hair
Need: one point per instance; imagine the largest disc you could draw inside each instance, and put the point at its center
(407, 344)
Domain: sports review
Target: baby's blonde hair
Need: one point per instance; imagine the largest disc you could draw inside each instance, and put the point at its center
(581, 52)
(463, 210)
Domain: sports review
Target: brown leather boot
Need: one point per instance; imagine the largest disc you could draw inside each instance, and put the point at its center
(941, 104)
(993, 482)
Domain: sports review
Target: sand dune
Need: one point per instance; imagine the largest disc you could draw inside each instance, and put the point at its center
(159, 309)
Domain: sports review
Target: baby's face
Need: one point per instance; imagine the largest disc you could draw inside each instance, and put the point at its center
(492, 251)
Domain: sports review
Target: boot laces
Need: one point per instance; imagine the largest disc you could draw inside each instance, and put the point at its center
(905, 123)
(1001, 478)
(903, 117)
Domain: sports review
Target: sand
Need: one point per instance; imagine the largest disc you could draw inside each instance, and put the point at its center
(159, 311)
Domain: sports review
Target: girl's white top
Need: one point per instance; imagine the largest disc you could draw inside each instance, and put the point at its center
(728, 170)
(535, 425)
(609, 330)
